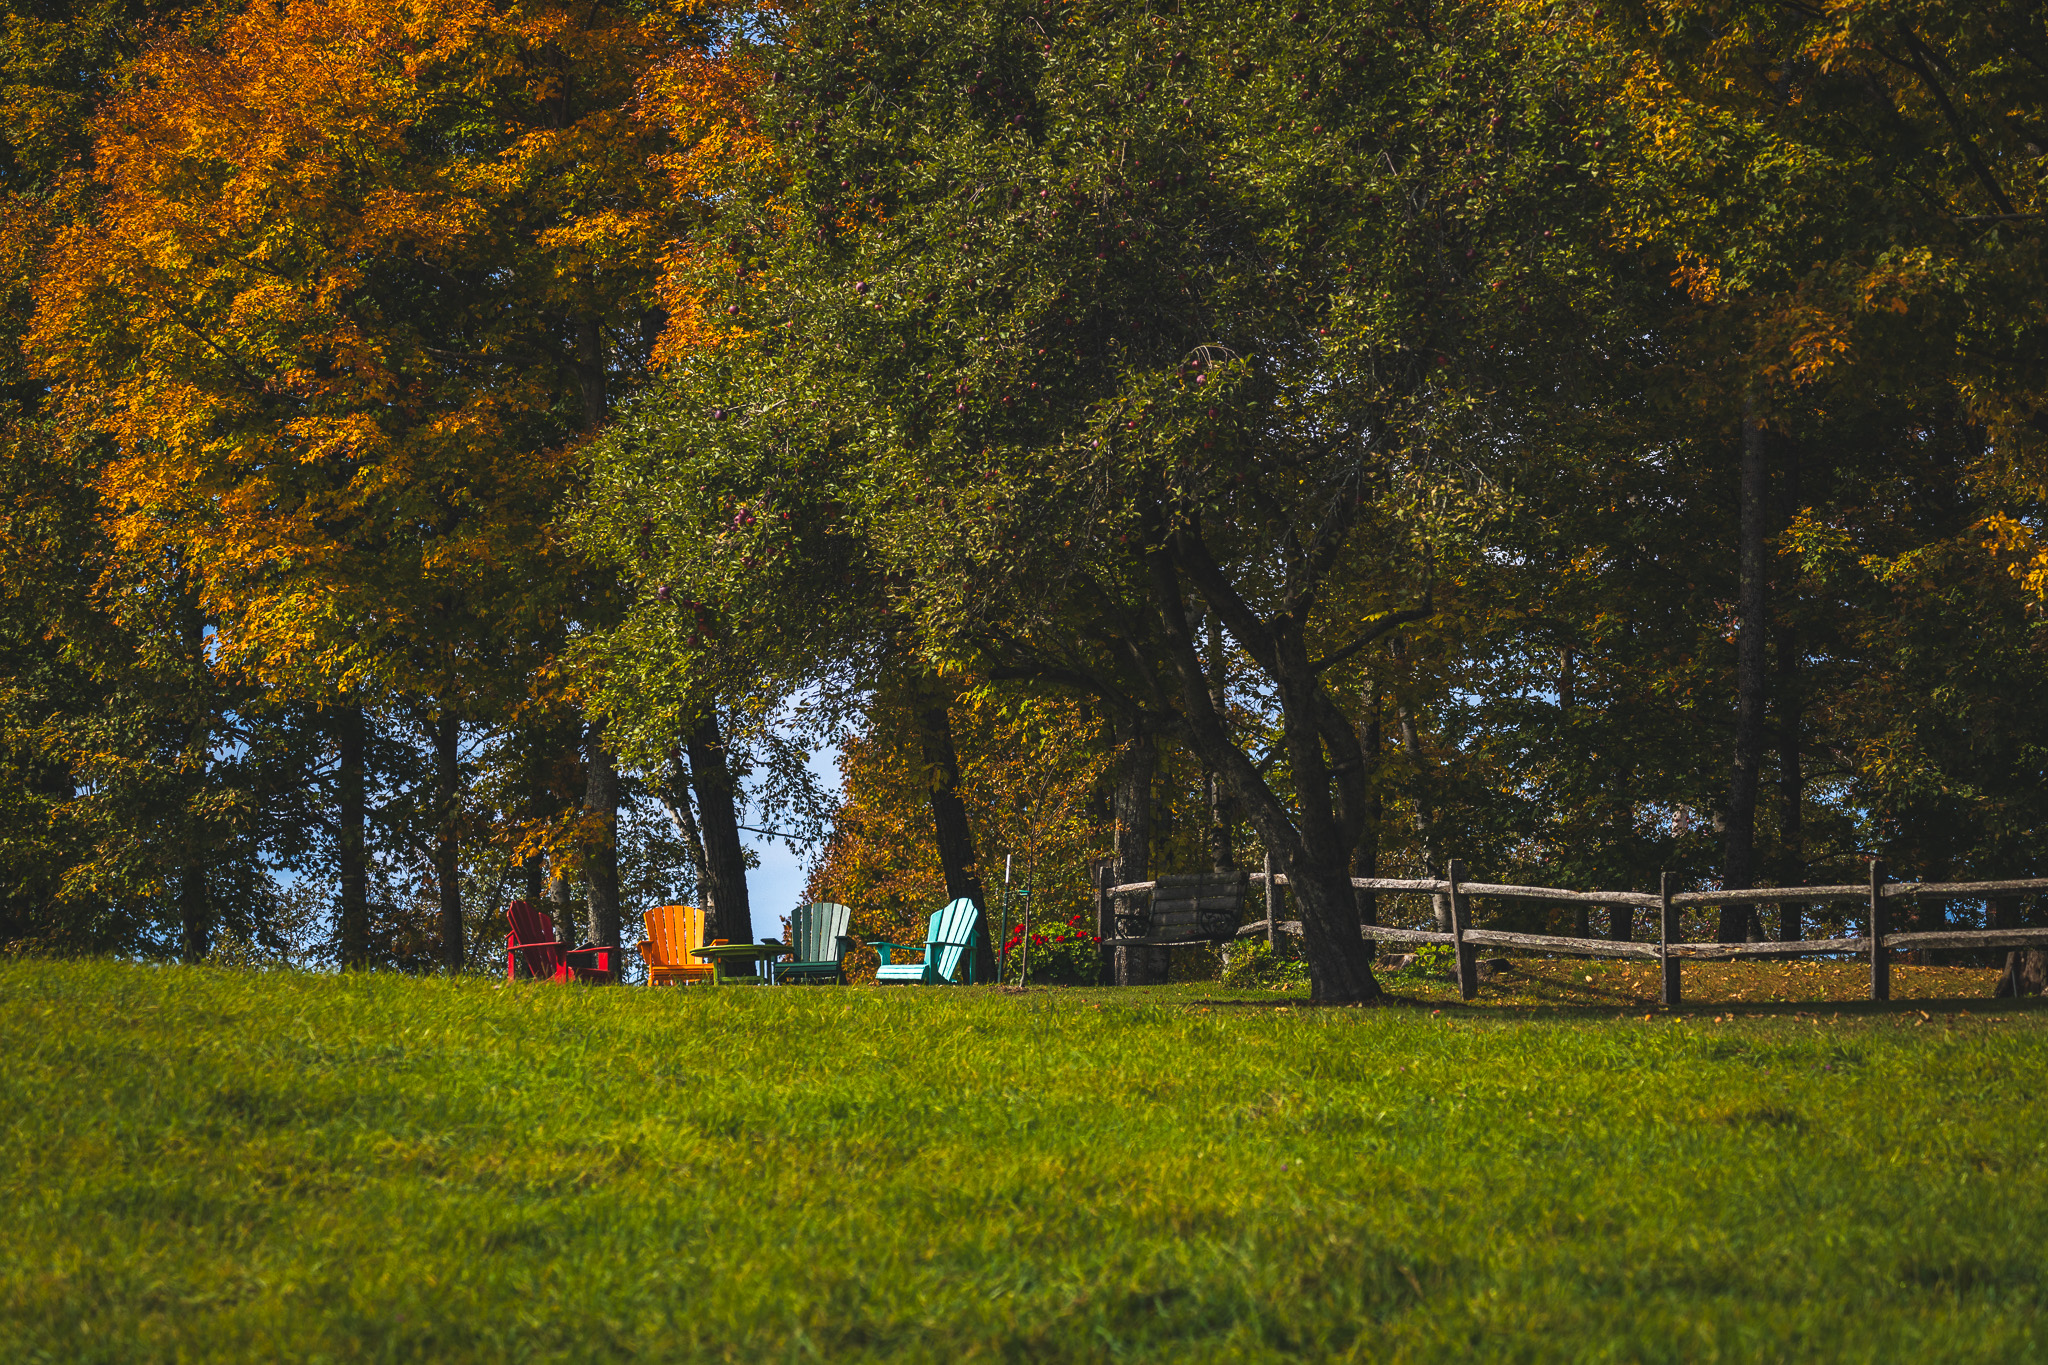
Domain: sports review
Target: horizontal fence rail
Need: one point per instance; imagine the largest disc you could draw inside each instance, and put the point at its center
(1669, 950)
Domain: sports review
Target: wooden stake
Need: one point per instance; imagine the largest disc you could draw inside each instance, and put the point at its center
(1468, 956)
(1880, 962)
(1105, 927)
(1272, 907)
(1667, 922)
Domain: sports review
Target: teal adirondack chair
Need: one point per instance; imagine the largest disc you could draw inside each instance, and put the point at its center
(950, 936)
(817, 935)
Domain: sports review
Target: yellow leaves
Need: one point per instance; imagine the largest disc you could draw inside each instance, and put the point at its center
(2025, 554)
(1698, 277)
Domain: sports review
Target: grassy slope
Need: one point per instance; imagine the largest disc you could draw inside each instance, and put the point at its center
(228, 1166)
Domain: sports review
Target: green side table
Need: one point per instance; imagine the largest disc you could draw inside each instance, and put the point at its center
(722, 953)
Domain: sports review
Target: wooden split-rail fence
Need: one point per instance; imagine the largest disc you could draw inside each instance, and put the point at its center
(1208, 907)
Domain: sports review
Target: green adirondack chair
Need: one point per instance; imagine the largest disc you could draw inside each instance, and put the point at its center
(817, 935)
(950, 936)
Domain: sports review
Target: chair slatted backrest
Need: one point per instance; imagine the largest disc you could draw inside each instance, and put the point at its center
(815, 931)
(675, 931)
(953, 926)
(529, 926)
(1197, 907)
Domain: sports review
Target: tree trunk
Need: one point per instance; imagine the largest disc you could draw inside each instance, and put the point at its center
(1791, 787)
(1222, 814)
(674, 794)
(1365, 857)
(955, 837)
(195, 903)
(195, 921)
(601, 859)
(1411, 744)
(447, 849)
(590, 370)
(351, 846)
(1791, 716)
(1315, 845)
(1739, 847)
(725, 860)
(1132, 807)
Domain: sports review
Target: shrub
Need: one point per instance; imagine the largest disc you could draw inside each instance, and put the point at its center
(1066, 954)
(1254, 966)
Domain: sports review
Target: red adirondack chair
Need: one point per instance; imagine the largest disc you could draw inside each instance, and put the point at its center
(535, 953)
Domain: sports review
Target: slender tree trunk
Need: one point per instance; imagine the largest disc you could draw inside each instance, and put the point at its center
(954, 835)
(1739, 848)
(1131, 804)
(1222, 811)
(1791, 717)
(1365, 858)
(725, 859)
(195, 903)
(1425, 833)
(601, 860)
(447, 849)
(675, 799)
(1791, 787)
(195, 918)
(590, 370)
(351, 846)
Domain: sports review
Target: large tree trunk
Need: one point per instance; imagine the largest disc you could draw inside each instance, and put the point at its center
(447, 849)
(725, 860)
(1131, 806)
(351, 845)
(1739, 849)
(954, 835)
(601, 859)
(1318, 857)
(1314, 844)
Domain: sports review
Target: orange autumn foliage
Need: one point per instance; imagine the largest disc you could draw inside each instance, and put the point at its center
(1031, 776)
(356, 279)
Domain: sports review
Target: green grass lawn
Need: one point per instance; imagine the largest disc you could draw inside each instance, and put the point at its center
(204, 1165)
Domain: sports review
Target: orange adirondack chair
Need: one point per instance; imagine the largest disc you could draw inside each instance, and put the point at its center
(672, 931)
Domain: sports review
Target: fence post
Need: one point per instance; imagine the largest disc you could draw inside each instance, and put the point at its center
(1105, 929)
(1880, 964)
(1272, 908)
(1665, 926)
(1468, 956)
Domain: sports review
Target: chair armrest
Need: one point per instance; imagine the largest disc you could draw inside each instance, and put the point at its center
(885, 948)
(544, 943)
